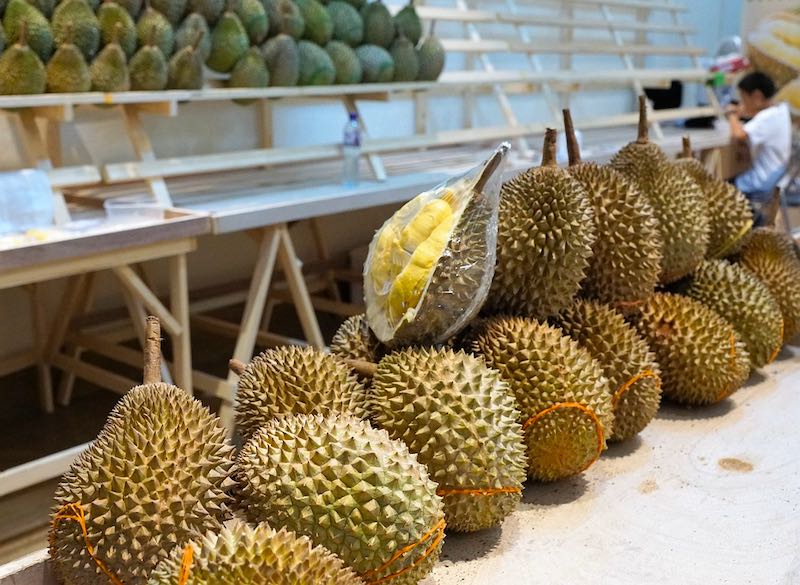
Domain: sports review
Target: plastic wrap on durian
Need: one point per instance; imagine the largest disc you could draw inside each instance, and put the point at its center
(430, 265)
(774, 46)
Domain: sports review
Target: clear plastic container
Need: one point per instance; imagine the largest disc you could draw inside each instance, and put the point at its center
(126, 210)
(351, 151)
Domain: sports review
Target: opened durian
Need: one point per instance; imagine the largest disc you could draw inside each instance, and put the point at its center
(295, 380)
(770, 256)
(354, 340)
(349, 488)
(702, 359)
(626, 259)
(729, 215)
(460, 419)
(745, 302)
(563, 397)
(678, 202)
(544, 239)
(241, 554)
(627, 362)
(429, 267)
(157, 475)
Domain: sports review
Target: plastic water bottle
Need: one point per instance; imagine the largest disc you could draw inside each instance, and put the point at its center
(351, 149)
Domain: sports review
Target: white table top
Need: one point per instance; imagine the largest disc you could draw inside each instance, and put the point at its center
(705, 496)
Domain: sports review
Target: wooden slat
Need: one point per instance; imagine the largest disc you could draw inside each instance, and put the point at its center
(28, 474)
(63, 177)
(626, 4)
(501, 46)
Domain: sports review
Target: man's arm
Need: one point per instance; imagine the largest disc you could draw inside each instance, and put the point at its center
(737, 128)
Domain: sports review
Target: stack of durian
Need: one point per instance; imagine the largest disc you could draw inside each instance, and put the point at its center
(511, 333)
(121, 45)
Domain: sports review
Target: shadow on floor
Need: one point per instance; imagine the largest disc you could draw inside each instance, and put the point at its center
(460, 547)
(554, 493)
(672, 411)
(623, 449)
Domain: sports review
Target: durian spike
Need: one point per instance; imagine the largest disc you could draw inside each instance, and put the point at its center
(236, 366)
(687, 147)
(642, 137)
(549, 148)
(364, 368)
(152, 351)
(573, 149)
(491, 167)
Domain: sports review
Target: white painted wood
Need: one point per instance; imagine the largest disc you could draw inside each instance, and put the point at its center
(31, 569)
(37, 471)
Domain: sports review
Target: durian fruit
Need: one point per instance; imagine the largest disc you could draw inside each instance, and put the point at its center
(2, 40)
(21, 70)
(431, 57)
(460, 419)
(626, 259)
(283, 60)
(318, 24)
(67, 71)
(108, 15)
(185, 70)
(378, 24)
(678, 202)
(157, 475)
(408, 23)
(284, 18)
(173, 10)
(295, 380)
(702, 358)
(249, 71)
(429, 266)
(349, 488)
(254, 20)
(316, 66)
(406, 62)
(186, 35)
(134, 7)
(564, 399)
(229, 42)
(770, 257)
(46, 7)
(38, 35)
(545, 236)
(148, 69)
(354, 340)
(255, 555)
(109, 70)
(772, 46)
(348, 27)
(631, 368)
(153, 25)
(376, 63)
(74, 22)
(345, 61)
(729, 214)
(210, 10)
(745, 302)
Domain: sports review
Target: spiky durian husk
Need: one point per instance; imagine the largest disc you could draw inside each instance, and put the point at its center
(355, 340)
(678, 203)
(241, 554)
(729, 215)
(544, 242)
(348, 487)
(296, 380)
(627, 362)
(626, 257)
(769, 255)
(702, 359)
(561, 392)
(157, 475)
(460, 419)
(745, 302)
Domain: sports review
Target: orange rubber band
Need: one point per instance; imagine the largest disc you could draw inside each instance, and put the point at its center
(437, 529)
(186, 565)
(597, 425)
(628, 304)
(627, 385)
(777, 349)
(477, 491)
(76, 512)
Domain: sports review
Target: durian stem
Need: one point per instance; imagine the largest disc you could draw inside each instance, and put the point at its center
(22, 40)
(152, 351)
(366, 369)
(197, 38)
(433, 26)
(573, 149)
(491, 167)
(549, 148)
(642, 138)
(687, 147)
(237, 367)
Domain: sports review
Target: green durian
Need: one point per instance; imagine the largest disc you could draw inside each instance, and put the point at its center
(254, 20)
(148, 69)
(431, 56)
(152, 25)
(318, 24)
(75, 22)
(134, 7)
(345, 61)
(408, 23)
(378, 24)
(185, 69)
(406, 62)
(109, 70)
(348, 27)
(39, 36)
(316, 67)
(283, 60)
(376, 64)
(21, 70)
(172, 10)
(249, 71)
(67, 71)
(46, 7)
(284, 18)
(194, 25)
(210, 10)
(229, 43)
(108, 15)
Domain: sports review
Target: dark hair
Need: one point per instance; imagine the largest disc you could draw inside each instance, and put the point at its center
(757, 81)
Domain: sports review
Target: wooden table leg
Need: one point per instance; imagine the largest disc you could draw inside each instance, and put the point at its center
(85, 296)
(40, 347)
(179, 306)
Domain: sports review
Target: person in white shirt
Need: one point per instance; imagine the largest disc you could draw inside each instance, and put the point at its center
(767, 133)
